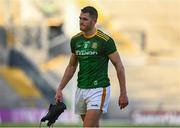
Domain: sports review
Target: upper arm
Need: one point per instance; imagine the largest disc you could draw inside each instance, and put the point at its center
(115, 59)
(73, 60)
(109, 47)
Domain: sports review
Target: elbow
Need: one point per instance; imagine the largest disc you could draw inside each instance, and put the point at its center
(119, 67)
(122, 69)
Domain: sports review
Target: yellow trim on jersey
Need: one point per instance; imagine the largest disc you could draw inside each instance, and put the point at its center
(97, 33)
(103, 97)
(103, 35)
(90, 36)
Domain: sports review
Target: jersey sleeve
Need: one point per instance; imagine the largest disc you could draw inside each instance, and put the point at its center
(72, 46)
(110, 47)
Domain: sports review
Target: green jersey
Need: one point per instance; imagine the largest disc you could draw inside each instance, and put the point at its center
(92, 53)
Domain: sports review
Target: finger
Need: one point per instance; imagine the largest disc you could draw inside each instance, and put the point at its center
(57, 99)
(123, 105)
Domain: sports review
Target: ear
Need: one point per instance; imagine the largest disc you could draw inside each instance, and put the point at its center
(94, 21)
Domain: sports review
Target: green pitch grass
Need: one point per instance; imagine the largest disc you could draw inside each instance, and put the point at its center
(79, 125)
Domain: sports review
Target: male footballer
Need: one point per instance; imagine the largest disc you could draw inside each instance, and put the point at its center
(92, 49)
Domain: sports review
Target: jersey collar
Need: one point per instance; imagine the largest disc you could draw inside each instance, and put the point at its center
(90, 36)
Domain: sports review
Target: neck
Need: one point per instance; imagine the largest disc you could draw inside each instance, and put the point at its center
(91, 32)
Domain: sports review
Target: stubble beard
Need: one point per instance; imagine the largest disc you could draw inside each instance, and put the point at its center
(87, 28)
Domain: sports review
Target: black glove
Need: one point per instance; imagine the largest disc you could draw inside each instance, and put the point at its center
(54, 112)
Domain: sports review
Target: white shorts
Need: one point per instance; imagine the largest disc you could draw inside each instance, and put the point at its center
(96, 98)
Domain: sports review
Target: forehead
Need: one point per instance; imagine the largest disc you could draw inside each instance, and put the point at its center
(86, 15)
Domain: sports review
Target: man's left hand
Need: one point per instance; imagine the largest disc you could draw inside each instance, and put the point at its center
(123, 101)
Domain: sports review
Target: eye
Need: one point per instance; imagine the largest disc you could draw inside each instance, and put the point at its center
(83, 18)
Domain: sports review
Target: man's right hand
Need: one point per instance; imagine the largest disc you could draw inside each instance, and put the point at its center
(58, 96)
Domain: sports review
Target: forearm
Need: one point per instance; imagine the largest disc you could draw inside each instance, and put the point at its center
(116, 61)
(68, 74)
(121, 77)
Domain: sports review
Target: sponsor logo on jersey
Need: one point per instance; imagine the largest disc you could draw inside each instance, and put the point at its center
(83, 52)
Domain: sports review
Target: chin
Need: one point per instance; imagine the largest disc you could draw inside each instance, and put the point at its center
(82, 29)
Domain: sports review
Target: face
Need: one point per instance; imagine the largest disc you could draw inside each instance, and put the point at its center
(86, 22)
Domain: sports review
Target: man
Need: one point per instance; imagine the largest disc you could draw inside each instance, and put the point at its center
(92, 49)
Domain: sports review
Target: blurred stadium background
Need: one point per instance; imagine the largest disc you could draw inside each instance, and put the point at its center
(34, 52)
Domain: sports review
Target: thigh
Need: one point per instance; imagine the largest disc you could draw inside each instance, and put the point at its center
(80, 104)
(98, 99)
(92, 118)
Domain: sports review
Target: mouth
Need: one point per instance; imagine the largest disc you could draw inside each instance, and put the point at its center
(82, 27)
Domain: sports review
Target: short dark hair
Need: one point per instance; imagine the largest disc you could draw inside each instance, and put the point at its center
(91, 10)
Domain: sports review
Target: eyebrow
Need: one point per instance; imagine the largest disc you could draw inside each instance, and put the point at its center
(83, 18)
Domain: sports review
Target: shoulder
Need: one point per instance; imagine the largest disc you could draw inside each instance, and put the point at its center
(103, 36)
(77, 35)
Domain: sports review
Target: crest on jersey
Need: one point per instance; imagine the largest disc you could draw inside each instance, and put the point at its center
(94, 45)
